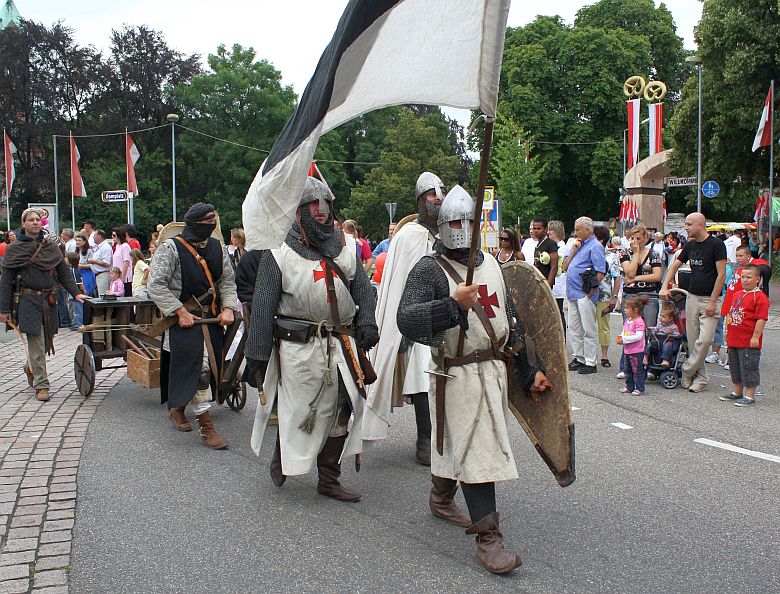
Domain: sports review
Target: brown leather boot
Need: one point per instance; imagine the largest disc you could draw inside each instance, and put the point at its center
(329, 471)
(179, 419)
(442, 504)
(276, 464)
(42, 394)
(491, 553)
(209, 435)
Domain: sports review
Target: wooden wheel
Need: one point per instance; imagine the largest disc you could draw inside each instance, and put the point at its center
(237, 398)
(84, 370)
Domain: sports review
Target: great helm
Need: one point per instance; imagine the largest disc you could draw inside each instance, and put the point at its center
(457, 206)
(319, 191)
(429, 181)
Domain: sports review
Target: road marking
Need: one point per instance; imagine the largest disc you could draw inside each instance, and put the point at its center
(575, 408)
(737, 449)
(621, 425)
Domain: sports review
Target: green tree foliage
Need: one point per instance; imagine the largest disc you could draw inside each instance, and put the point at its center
(413, 145)
(739, 43)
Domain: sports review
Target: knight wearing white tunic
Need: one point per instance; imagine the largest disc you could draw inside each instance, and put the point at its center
(312, 310)
(468, 389)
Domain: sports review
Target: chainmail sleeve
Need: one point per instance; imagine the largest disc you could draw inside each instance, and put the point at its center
(363, 295)
(426, 309)
(268, 291)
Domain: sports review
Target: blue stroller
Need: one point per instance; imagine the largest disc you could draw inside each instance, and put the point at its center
(672, 348)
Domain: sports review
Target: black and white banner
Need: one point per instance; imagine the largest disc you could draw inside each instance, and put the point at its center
(383, 53)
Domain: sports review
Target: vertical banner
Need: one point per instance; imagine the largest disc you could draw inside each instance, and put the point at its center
(633, 131)
(10, 171)
(77, 183)
(656, 113)
(131, 157)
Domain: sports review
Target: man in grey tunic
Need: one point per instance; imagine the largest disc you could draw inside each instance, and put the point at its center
(472, 402)
(310, 295)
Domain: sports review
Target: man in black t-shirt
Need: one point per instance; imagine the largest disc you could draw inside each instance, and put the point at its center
(545, 250)
(707, 257)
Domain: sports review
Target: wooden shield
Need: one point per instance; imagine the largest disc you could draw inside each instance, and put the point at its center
(546, 417)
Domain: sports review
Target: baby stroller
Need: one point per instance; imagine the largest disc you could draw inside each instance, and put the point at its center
(669, 377)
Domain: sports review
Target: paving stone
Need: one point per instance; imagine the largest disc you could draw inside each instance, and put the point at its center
(52, 590)
(62, 496)
(55, 525)
(33, 491)
(17, 558)
(36, 500)
(14, 545)
(29, 510)
(13, 572)
(57, 577)
(22, 521)
(60, 514)
(15, 586)
(62, 487)
(57, 505)
(7, 507)
(56, 536)
(9, 496)
(27, 532)
(55, 548)
(58, 562)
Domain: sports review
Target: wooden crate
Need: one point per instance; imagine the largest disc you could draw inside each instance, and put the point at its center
(143, 370)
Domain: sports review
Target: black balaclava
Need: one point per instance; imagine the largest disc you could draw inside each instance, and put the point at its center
(194, 231)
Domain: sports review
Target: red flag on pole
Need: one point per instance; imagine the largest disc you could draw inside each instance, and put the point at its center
(10, 170)
(131, 157)
(77, 183)
(633, 132)
(764, 132)
(664, 207)
(314, 171)
(656, 112)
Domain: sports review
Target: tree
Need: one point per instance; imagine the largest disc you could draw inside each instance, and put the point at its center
(739, 43)
(414, 145)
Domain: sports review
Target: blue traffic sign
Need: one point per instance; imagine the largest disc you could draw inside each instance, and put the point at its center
(710, 189)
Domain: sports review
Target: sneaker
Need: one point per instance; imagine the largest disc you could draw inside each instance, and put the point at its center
(759, 393)
(625, 390)
(726, 366)
(745, 401)
(637, 393)
(621, 375)
(712, 358)
(731, 396)
(585, 369)
(575, 365)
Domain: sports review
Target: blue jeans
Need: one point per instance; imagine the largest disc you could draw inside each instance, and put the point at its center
(668, 350)
(718, 340)
(649, 315)
(635, 372)
(78, 313)
(62, 308)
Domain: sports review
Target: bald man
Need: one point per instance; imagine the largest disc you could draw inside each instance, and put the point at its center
(707, 257)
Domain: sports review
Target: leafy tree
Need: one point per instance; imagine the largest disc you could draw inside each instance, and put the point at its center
(739, 43)
(414, 145)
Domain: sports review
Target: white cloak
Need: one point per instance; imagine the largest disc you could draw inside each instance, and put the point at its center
(304, 366)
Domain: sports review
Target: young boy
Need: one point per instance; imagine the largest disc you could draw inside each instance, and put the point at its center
(78, 308)
(745, 321)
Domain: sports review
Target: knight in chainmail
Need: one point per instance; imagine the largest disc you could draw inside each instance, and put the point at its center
(470, 401)
(313, 308)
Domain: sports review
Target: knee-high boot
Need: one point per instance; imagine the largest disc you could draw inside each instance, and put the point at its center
(491, 554)
(329, 471)
(422, 417)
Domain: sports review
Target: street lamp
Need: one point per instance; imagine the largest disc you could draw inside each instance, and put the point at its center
(625, 133)
(173, 118)
(697, 61)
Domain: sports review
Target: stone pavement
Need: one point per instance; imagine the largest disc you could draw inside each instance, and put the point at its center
(40, 449)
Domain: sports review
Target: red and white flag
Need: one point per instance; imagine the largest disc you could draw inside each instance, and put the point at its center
(10, 170)
(314, 171)
(762, 206)
(764, 132)
(656, 127)
(664, 209)
(77, 183)
(633, 131)
(131, 157)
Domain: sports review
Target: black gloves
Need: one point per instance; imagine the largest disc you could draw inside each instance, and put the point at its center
(254, 373)
(367, 337)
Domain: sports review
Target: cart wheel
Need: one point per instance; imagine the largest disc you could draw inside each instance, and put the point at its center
(237, 398)
(669, 379)
(84, 370)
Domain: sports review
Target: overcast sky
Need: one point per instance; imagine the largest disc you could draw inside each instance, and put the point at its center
(291, 34)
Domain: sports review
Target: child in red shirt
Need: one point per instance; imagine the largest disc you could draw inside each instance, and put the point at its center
(747, 316)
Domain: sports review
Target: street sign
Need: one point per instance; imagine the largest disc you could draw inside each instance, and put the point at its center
(710, 189)
(490, 225)
(487, 202)
(390, 206)
(679, 182)
(114, 196)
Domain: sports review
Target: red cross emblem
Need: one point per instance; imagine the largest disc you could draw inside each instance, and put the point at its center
(488, 302)
(320, 274)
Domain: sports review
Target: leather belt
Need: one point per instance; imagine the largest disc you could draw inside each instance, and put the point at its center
(302, 332)
(101, 272)
(473, 357)
(44, 293)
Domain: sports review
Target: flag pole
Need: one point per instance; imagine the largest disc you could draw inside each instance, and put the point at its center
(127, 178)
(484, 162)
(7, 193)
(771, 163)
(56, 181)
(72, 202)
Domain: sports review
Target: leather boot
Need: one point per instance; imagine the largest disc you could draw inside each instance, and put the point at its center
(422, 418)
(491, 553)
(42, 394)
(329, 471)
(276, 464)
(179, 419)
(442, 504)
(209, 435)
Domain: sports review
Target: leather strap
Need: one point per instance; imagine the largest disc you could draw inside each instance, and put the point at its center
(473, 357)
(477, 307)
(334, 304)
(204, 265)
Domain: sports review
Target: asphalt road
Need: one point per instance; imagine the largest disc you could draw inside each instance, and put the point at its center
(651, 511)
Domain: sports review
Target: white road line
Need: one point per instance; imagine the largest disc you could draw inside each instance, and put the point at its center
(621, 425)
(575, 408)
(737, 449)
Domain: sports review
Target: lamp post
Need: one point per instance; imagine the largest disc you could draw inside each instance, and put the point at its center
(697, 61)
(173, 118)
(625, 133)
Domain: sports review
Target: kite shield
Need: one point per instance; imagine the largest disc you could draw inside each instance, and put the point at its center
(546, 417)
